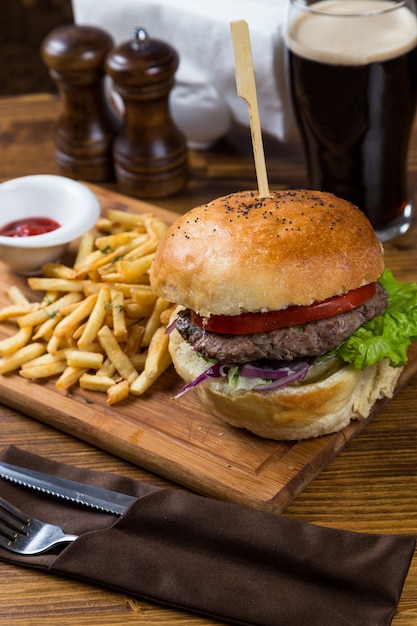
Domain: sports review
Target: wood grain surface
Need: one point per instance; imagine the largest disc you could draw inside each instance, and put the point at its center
(180, 439)
(370, 487)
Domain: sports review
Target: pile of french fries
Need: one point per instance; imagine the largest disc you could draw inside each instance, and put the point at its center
(98, 324)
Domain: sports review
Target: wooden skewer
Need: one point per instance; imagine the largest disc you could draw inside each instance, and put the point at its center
(246, 89)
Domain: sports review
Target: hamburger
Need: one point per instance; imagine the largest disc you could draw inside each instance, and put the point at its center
(288, 324)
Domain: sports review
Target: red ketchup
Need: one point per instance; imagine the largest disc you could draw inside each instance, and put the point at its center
(28, 227)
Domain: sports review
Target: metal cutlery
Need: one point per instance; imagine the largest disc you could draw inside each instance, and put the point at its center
(23, 534)
(80, 493)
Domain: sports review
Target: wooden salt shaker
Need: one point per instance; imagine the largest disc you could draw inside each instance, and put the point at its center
(86, 126)
(150, 153)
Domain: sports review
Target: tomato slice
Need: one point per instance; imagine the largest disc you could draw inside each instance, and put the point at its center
(250, 323)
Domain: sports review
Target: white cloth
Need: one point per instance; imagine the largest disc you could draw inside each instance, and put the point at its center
(200, 32)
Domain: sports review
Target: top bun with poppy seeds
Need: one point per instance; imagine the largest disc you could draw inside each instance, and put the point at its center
(268, 289)
(244, 253)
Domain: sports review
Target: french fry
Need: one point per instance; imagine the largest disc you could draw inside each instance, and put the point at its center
(141, 384)
(106, 225)
(14, 361)
(119, 359)
(155, 226)
(129, 220)
(66, 310)
(16, 296)
(68, 324)
(101, 258)
(158, 360)
(115, 276)
(79, 331)
(142, 303)
(15, 310)
(38, 283)
(85, 264)
(93, 382)
(56, 344)
(118, 315)
(115, 241)
(50, 310)
(98, 323)
(96, 318)
(154, 320)
(91, 287)
(46, 359)
(57, 270)
(144, 250)
(69, 377)
(107, 369)
(135, 271)
(45, 330)
(85, 247)
(134, 340)
(139, 293)
(166, 315)
(118, 392)
(42, 371)
(49, 297)
(16, 341)
(84, 359)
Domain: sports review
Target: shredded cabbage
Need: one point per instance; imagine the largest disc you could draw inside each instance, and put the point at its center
(248, 377)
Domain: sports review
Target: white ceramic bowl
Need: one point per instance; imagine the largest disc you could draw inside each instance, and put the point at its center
(64, 200)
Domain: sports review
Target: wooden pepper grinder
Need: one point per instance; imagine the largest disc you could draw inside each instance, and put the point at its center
(150, 153)
(86, 127)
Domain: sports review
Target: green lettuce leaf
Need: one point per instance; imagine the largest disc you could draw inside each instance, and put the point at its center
(388, 335)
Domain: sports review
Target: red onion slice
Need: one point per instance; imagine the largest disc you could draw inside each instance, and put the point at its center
(280, 375)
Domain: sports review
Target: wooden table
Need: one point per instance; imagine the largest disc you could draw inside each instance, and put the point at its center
(370, 487)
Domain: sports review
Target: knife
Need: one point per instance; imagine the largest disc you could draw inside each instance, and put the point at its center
(80, 493)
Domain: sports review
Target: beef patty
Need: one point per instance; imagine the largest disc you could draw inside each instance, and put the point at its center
(291, 342)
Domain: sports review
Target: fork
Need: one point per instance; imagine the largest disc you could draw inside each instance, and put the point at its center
(27, 535)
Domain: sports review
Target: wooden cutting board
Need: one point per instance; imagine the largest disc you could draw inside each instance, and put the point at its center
(178, 439)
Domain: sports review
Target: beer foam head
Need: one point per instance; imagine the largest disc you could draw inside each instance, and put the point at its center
(331, 31)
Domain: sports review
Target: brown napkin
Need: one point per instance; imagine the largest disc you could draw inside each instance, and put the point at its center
(221, 560)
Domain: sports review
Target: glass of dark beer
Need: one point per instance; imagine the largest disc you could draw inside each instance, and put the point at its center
(353, 81)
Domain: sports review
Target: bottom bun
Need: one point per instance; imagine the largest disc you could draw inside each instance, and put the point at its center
(292, 412)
